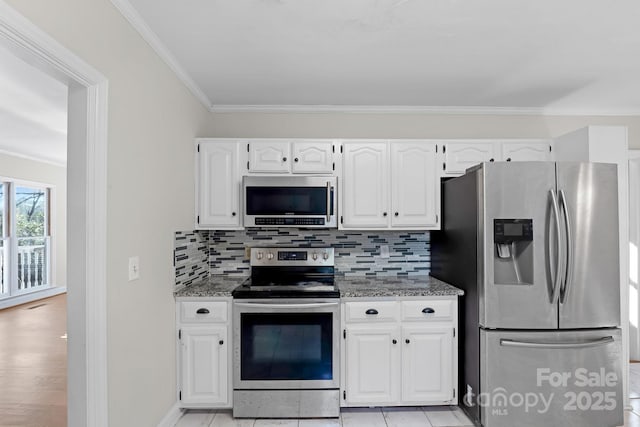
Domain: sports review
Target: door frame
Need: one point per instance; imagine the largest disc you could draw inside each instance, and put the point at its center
(634, 337)
(86, 210)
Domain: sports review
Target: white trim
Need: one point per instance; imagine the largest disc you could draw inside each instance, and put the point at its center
(136, 21)
(22, 34)
(634, 154)
(49, 291)
(402, 109)
(172, 417)
(33, 158)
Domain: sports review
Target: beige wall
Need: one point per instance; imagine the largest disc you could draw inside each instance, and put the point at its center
(56, 176)
(152, 122)
(367, 125)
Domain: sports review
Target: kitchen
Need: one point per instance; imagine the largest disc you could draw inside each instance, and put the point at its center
(153, 116)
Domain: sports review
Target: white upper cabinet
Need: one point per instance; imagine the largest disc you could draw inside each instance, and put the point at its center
(269, 157)
(218, 184)
(312, 157)
(458, 156)
(298, 156)
(513, 151)
(390, 184)
(365, 185)
(461, 155)
(414, 184)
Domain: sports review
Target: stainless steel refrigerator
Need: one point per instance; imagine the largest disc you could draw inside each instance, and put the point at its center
(534, 245)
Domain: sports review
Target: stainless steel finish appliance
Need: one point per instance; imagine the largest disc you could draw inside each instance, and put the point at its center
(290, 201)
(286, 321)
(534, 245)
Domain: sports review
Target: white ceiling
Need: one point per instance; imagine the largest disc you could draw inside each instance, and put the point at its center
(569, 56)
(33, 111)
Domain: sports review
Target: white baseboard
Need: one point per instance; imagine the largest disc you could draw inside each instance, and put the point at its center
(33, 296)
(172, 417)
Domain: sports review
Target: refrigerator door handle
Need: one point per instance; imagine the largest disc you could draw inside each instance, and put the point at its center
(537, 344)
(568, 275)
(556, 282)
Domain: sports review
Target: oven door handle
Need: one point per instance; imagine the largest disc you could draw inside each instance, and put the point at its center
(275, 305)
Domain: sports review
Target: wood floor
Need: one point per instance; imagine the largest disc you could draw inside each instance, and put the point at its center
(33, 364)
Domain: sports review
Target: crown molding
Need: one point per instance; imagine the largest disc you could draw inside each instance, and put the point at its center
(435, 110)
(134, 18)
(33, 158)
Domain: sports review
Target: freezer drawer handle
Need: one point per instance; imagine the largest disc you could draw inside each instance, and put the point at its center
(533, 344)
(371, 311)
(428, 310)
(203, 311)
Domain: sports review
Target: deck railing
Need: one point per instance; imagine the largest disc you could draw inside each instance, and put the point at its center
(32, 266)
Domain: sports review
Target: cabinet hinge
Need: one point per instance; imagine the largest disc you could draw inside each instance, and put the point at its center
(341, 220)
(344, 334)
(198, 219)
(454, 393)
(247, 165)
(344, 395)
(334, 165)
(333, 148)
(444, 149)
(247, 148)
(179, 334)
(454, 332)
(198, 148)
(444, 166)
(180, 395)
(436, 148)
(437, 219)
(341, 147)
(550, 149)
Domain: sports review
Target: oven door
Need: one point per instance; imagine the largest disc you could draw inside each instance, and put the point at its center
(286, 344)
(290, 201)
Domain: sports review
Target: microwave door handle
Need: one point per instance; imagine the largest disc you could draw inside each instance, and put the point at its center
(328, 201)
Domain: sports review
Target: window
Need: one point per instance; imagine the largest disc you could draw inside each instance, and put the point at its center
(25, 242)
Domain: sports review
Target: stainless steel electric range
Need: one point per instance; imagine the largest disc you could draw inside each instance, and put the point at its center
(286, 321)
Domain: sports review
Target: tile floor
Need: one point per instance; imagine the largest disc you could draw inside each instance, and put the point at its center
(436, 416)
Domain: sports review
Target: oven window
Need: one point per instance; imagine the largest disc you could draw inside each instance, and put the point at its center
(286, 200)
(286, 346)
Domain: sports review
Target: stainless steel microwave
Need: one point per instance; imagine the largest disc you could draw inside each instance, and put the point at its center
(290, 201)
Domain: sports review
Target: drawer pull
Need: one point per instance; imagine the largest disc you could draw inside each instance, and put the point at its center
(394, 341)
(221, 342)
(428, 310)
(407, 340)
(203, 311)
(371, 311)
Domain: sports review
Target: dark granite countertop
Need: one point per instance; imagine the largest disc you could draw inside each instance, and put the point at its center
(349, 287)
(415, 286)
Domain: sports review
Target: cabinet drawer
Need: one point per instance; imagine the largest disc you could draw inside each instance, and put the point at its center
(427, 310)
(203, 312)
(380, 311)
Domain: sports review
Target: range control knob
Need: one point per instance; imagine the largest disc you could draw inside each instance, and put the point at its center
(314, 256)
(270, 255)
(325, 255)
(259, 255)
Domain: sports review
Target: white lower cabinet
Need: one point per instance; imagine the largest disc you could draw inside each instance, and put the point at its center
(204, 357)
(409, 359)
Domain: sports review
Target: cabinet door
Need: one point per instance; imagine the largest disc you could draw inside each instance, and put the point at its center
(414, 184)
(373, 364)
(526, 151)
(312, 157)
(458, 156)
(272, 156)
(218, 184)
(427, 364)
(204, 366)
(365, 185)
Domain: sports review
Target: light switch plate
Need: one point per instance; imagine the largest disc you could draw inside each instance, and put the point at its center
(134, 268)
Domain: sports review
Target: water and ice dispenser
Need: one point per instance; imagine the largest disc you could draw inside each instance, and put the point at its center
(513, 253)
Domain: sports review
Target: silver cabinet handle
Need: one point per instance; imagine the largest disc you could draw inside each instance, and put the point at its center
(537, 344)
(556, 281)
(568, 276)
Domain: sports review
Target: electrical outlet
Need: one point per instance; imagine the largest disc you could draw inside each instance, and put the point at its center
(134, 268)
(247, 252)
(384, 251)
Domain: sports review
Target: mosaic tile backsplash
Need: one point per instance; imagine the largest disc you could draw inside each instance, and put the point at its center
(357, 253)
(191, 257)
